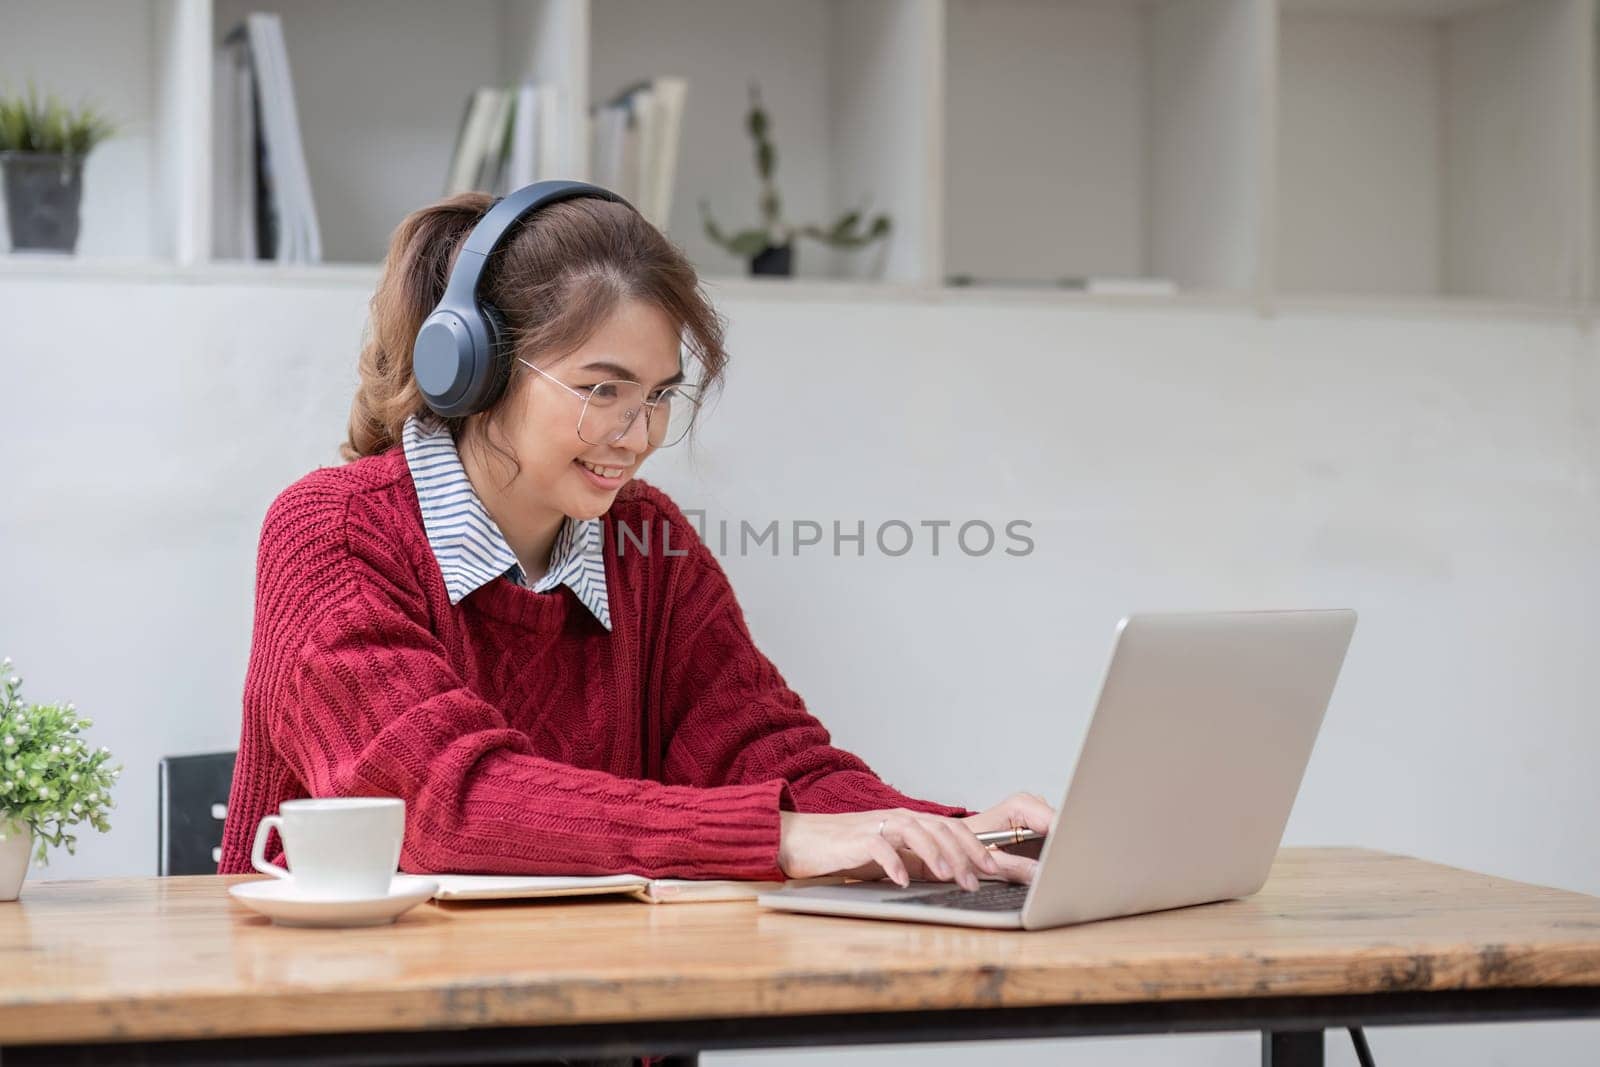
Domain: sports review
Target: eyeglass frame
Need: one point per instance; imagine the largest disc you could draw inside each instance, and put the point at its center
(686, 392)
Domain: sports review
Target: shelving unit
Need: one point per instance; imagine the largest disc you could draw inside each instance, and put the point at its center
(377, 146)
(1093, 138)
(121, 56)
(1437, 148)
(1254, 152)
(845, 86)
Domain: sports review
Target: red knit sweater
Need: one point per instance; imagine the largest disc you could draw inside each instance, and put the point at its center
(524, 738)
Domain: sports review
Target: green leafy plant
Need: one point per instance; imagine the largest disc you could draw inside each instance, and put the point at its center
(846, 231)
(31, 123)
(50, 779)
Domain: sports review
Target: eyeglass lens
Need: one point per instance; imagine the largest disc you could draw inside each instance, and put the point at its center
(611, 407)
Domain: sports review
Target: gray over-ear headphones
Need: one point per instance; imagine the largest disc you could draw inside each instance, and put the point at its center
(458, 357)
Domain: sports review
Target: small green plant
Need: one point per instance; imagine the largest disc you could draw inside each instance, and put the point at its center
(50, 779)
(31, 123)
(846, 231)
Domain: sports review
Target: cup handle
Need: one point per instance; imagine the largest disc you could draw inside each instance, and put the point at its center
(258, 854)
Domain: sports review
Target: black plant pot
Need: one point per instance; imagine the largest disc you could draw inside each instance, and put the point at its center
(774, 259)
(43, 192)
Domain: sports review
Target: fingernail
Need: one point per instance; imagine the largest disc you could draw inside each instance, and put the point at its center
(943, 868)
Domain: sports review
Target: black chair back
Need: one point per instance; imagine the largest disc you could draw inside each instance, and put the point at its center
(192, 798)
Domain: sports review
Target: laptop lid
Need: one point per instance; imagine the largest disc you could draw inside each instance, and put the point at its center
(1191, 763)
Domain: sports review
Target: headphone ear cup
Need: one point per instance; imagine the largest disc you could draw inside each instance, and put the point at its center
(443, 361)
(500, 352)
(462, 355)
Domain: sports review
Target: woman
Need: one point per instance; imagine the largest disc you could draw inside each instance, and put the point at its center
(489, 616)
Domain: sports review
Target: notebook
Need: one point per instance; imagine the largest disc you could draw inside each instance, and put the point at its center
(649, 890)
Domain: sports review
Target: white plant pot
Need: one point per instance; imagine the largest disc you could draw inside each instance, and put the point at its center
(16, 846)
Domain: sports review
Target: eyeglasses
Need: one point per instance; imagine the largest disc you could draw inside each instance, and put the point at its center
(610, 408)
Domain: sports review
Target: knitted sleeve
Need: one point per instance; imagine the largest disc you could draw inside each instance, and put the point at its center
(363, 701)
(731, 716)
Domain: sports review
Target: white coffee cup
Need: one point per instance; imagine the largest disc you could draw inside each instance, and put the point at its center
(338, 848)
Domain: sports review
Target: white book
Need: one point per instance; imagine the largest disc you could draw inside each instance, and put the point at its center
(223, 165)
(510, 887)
(591, 133)
(1106, 284)
(264, 79)
(650, 890)
(628, 154)
(523, 167)
(496, 139)
(553, 162)
(469, 145)
(296, 181)
(299, 239)
(245, 203)
(234, 198)
(307, 219)
(690, 890)
(670, 95)
(610, 129)
(272, 134)
(616, 135)
(644, 132)
(454, 175)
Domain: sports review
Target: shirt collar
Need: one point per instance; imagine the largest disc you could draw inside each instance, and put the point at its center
(470, 549)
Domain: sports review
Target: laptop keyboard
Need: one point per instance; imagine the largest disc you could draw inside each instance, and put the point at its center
(991, 896)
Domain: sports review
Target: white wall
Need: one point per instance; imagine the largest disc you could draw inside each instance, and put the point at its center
(1204, 135)
(1437, 474)
(1435, 155)
(1511, 225)
(1058, 91)
(1360, 197)
(1096, 138)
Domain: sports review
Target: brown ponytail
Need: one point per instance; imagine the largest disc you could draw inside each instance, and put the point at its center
(555, 280)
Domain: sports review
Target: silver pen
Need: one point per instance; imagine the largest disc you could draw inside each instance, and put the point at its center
(1014, 836)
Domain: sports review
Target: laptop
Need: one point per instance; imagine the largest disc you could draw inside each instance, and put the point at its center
(1183, 784)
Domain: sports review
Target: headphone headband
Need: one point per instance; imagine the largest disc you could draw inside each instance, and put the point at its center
(458, 357)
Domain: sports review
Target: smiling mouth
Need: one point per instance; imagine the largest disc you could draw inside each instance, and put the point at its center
(604, 472)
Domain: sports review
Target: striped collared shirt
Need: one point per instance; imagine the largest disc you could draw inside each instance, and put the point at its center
(469, 547)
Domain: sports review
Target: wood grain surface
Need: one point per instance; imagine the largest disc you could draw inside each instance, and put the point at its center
(152, 958)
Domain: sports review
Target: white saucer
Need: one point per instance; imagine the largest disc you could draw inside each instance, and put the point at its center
(276, 898)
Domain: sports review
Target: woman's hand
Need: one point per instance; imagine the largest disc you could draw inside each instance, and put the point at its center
(1019, 809)
(910, 845)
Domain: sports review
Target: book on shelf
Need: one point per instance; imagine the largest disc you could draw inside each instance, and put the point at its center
(522, 145)
(608, 131)
(508, 138)
(475, 142)
(1103, 284)
(262, 206)
(649, 890)
(234, 203)
(634, 141)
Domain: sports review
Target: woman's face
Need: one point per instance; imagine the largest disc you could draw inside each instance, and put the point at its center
(561, 471)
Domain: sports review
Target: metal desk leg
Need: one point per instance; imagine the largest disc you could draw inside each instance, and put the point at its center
(1291, 1048)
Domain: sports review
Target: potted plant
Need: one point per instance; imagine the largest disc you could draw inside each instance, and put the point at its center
(50, 781)
(770, 246)
(43, 145)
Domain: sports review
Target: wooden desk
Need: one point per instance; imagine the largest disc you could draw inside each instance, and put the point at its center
(172, 970)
